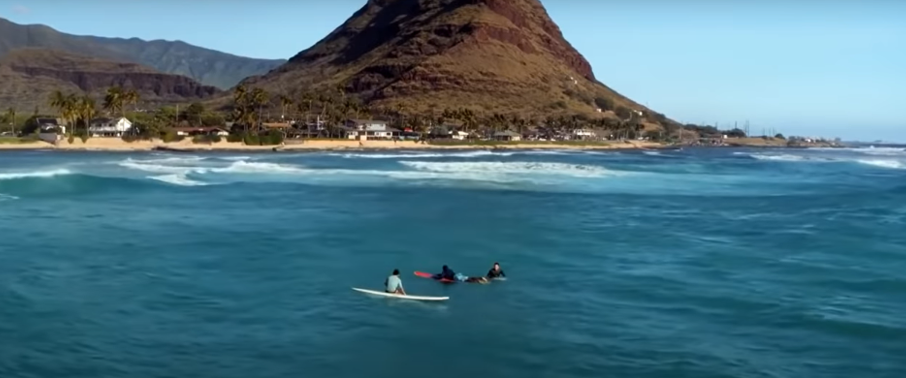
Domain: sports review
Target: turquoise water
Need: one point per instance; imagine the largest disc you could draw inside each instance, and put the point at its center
(696, 263)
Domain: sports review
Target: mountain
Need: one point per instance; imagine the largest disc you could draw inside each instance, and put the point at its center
(174, 57)
(29, 76)
(494, 56)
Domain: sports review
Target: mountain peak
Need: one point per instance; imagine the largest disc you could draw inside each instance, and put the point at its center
(505, 56)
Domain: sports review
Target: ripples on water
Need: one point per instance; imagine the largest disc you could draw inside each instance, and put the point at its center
(702, 263)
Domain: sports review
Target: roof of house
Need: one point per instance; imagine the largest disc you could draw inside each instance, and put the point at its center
(47, 121)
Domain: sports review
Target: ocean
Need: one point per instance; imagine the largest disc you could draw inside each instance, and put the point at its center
(696, 263)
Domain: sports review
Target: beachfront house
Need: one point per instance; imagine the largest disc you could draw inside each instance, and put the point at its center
(448, 131)
(196, 131)
(50, 125)
(369, 129)
(507, 136)
(584, 134)
(109, 127)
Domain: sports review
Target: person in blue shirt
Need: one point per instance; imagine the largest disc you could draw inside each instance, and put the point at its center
(394, 284)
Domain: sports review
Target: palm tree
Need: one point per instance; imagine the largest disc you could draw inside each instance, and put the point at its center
(11, 118)
(258, 98)
(86, 109)
(241, 106)
(114, 100)
(285, 102)
(66, 108)
(130, 97)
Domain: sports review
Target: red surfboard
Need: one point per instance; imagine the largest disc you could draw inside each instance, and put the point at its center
(431, 276)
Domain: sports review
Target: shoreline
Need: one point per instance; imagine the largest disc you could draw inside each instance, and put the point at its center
(119, 145)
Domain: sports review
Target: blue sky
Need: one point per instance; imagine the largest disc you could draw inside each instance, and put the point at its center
(806, 67)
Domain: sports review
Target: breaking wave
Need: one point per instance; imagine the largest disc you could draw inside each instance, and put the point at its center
(37, 174)
(561, 169)
(468, 154)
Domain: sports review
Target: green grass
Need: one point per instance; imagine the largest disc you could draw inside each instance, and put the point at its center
(17, 140)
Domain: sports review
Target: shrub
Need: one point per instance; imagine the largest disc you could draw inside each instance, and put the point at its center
(71, 139)
(604, 103)
(250, 140)
(129, 138)
(171, 136)
(235, 137)
(205, 139)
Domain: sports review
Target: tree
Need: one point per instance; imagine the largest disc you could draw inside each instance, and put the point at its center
(779, 136)
(10, 117)
(86, 109)
(67, 108)
(285, 102)
(114, 100)
(604, 103)
(623, 112)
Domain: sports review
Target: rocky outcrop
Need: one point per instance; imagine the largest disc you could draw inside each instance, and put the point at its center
(150, 85)
(29, 76)
(504, 56)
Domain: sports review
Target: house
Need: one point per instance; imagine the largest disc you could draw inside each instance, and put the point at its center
(50, 125)
(369, 129)
(584, 134)
(448, 131)
(507, 136)
(195, 131)
(109, 127)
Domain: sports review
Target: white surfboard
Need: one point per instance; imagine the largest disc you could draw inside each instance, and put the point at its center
(400, 296)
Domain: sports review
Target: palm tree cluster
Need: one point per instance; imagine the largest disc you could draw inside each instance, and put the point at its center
(247, 106)
(74, 110)
(117, 98)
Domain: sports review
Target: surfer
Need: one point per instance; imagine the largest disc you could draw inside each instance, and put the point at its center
(496, 272)
(446, 274)
(394, 284)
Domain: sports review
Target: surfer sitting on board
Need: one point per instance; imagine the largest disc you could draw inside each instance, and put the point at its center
(393, 284)
(496, 272)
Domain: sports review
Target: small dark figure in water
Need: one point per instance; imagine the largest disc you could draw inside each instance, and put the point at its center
(496, 272)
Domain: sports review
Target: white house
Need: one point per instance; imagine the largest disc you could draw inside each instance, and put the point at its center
(583, 133)
(109, 127)
(365, 129)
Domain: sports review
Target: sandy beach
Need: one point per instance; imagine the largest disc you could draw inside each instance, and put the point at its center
(117, 144)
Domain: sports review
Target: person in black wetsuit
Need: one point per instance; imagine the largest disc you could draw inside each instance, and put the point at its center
(496, 272)
(446, 274)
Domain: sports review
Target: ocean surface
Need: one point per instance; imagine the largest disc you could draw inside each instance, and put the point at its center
(694, 263)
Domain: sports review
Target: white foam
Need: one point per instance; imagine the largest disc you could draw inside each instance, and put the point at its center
(189, 159)
(243, 166)
(48, 173)
(160, 168)
(7, 197)
(781, 157)
(177, 179)
(468, 154)
(490, 168)
(652, 153)
(234, 158)
(893, 164)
